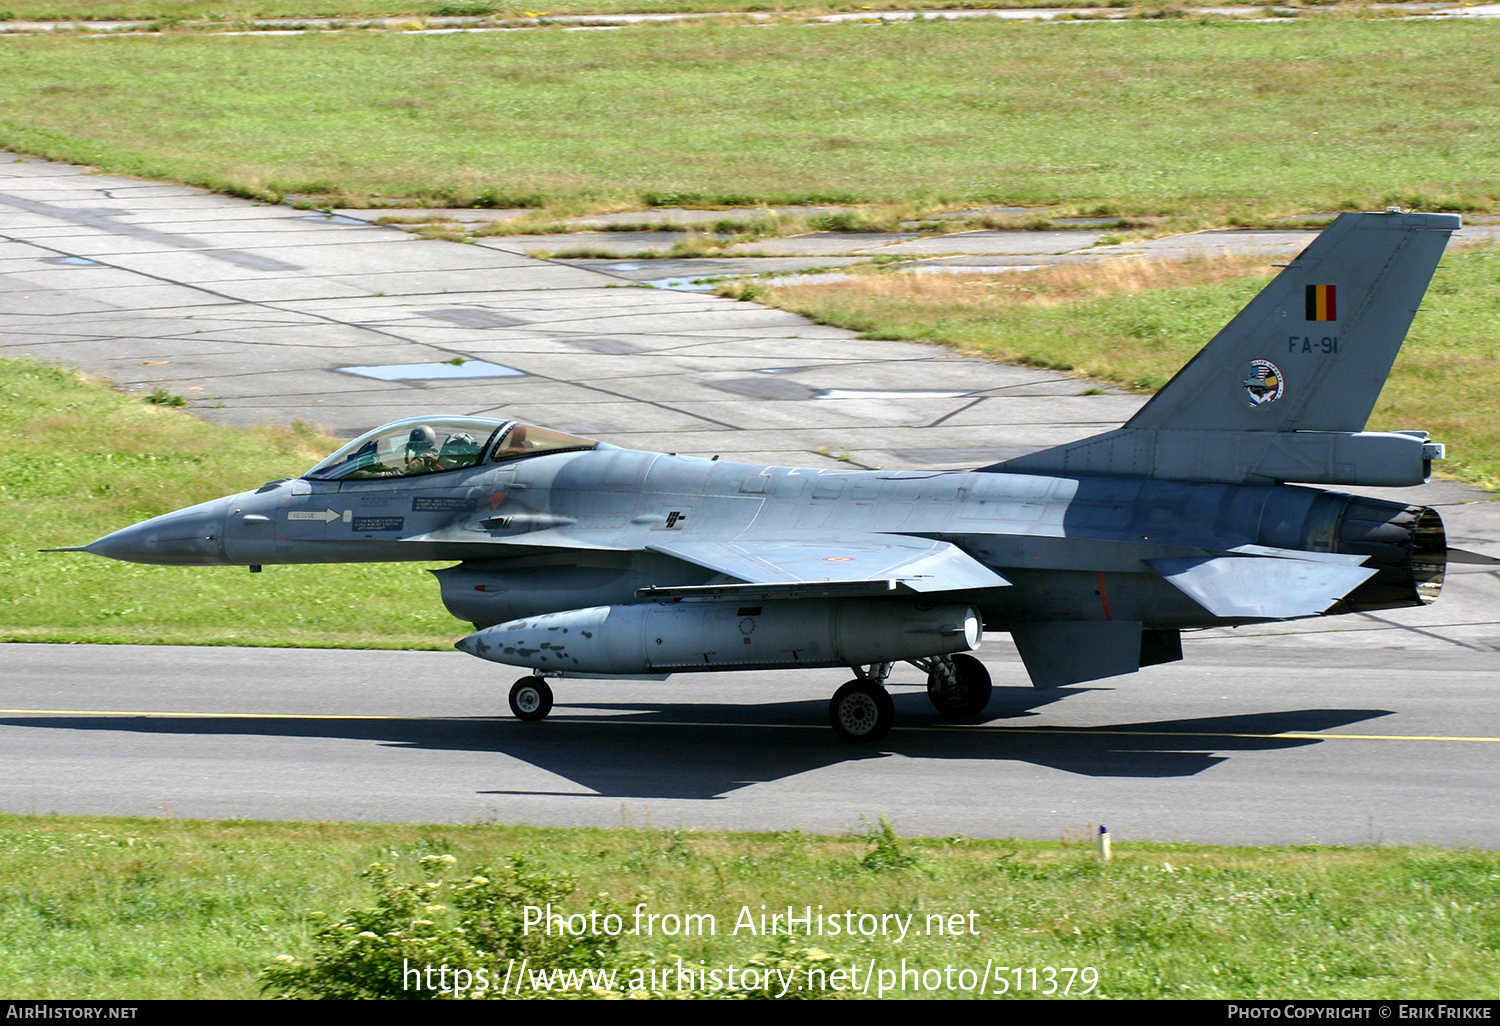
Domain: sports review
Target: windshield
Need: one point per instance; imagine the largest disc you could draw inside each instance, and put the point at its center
(408, 448)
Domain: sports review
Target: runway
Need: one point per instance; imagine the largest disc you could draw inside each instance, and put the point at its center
(1335, 739)
(1360, 729)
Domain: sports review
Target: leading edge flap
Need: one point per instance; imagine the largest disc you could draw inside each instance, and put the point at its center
(920, 564)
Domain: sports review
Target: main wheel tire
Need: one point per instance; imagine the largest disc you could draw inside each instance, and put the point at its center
(861, 712)
(969, 694)
(530, 699)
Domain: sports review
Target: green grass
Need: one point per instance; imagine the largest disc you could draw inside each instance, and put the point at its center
(1204, 122)
(1136, 324)
(78, 460)
(139, 909)
(191, 11)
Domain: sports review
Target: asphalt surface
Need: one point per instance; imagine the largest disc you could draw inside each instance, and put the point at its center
(1361, 729)
(1255, 741)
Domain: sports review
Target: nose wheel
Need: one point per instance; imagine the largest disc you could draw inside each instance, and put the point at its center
(530, 699)
(861, 712)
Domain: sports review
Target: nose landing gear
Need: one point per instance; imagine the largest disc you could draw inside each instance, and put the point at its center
(531, 698)
(861, 712)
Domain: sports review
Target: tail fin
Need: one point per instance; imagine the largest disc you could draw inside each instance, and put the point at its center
(1331, 322)
(1284, 390)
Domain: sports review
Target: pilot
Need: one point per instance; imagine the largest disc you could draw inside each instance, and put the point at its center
(422, 450)
(458, 451)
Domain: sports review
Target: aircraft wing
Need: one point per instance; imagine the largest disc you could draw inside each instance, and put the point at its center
(859, 564)
(1268, 587)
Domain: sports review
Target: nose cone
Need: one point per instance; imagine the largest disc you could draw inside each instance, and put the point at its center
(188, 537)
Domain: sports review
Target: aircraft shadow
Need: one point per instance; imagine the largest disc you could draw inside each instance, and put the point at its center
(707, 751)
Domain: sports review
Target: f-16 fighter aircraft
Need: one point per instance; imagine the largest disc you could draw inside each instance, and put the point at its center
(580, 559)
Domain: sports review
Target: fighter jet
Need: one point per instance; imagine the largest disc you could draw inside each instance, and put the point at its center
(576, 558)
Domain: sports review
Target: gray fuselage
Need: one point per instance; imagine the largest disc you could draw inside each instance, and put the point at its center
(577, 529)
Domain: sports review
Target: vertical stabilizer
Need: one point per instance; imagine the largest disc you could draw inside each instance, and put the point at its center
(1283, 392)
(1331, 324)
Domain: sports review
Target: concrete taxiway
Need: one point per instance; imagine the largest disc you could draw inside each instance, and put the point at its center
(1366, 728)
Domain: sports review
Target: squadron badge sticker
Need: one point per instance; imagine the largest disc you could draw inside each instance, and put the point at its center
(1265, 383)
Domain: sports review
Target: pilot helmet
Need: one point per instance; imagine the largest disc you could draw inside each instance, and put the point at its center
(421, 439)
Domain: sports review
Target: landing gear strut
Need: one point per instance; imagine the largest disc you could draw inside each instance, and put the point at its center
(531, 698)
(958, 686)
(861, 712)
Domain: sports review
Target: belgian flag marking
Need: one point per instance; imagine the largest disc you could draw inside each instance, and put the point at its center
(1321, 303)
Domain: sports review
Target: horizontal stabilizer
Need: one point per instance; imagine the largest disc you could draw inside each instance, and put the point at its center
(1336, 558)
(1465, 556)
(1259, 587)
(918, 564)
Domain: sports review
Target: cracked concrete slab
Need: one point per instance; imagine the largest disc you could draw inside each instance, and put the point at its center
(416, 215)
(621, 244)
(822, 244)
(709, 267)
(984, 243)
(699, 218)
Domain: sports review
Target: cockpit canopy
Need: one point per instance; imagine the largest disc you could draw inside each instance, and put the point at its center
(429, 445)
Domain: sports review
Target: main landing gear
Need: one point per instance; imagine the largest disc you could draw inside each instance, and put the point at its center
(958, 686)
(861, 712)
